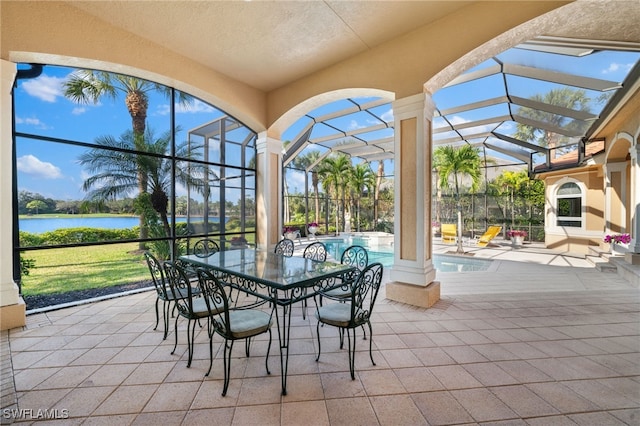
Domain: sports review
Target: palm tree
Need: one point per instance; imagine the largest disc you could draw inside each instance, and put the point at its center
(333, 172)
(303, 162)
(360, 178)
(457, 163)
(574, 99)
(115, 172)
(510, 183)
(89, 86)
(376, 194)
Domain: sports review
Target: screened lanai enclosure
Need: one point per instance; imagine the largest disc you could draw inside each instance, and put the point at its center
(96, 185)
(102, 176)
(529, 109)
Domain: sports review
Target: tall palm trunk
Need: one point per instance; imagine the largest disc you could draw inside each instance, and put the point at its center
(315, 183)
(137, 105)
(376, 195)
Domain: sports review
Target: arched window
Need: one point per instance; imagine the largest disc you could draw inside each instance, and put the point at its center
(569, 205)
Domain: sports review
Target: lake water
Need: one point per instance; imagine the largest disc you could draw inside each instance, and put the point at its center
(39, 225)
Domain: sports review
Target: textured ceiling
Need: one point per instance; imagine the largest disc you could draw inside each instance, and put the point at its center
(269, 44)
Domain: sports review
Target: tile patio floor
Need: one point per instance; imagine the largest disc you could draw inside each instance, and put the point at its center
(544, 341)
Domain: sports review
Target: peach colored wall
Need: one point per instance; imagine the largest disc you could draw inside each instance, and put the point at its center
(616, 203)
(408, 168)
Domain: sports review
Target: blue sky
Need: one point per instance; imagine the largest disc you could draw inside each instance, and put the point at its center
(53, 170)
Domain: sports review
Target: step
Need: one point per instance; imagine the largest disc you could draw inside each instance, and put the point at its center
(606, 267)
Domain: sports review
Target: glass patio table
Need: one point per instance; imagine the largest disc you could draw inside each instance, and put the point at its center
(275, 278)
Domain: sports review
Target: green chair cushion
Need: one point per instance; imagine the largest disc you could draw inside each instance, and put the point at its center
(249, 322)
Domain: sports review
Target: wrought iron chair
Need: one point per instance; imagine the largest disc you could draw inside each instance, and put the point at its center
(163, 292)
(193, 307)
(315, 251)
(355, 313)
(205, 247)
(284, 247)
(357, 257)
(239, 322)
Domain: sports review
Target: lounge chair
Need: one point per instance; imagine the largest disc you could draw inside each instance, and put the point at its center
(449, 233)
(484, 239)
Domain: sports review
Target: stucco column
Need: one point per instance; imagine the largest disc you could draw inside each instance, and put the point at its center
(12, 307)
(413, 274)
(268, 192)
(634, 246)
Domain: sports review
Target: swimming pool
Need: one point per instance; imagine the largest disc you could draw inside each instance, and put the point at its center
(384, 255)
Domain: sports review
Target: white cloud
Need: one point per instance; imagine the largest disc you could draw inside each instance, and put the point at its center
(194, 108)
(456, 119)
(615, 67)
(32, 122)
(78, 110)
(387, 115)
(45, 88)
(31, 165)
(353, 125)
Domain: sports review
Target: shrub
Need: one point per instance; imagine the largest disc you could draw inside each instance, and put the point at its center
(85, 235)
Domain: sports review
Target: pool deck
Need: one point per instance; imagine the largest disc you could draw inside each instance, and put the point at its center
(539, 339)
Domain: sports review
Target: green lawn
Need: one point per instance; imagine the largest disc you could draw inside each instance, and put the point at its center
(80, 268)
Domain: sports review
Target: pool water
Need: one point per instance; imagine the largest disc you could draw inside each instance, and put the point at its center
(384, 255)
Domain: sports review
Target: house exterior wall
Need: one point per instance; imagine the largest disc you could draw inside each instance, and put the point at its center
(576, 240)
(611, 196)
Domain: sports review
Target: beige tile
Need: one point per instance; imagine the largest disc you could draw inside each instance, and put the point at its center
(600, 418)
(39, 400)
(149, 372)
(263, 415)
(382, 382)
(523, 401)
(340, 385)
(173, 397)
(109, 375)
(96, 356)
(162, 418)
(31, 377)
(464, 354)
(303, 388)
(523, 372)
(81, 402)
(441, 408)
(210, 395)
(628, 416)
(222, 416)
(305, 413)
(262, 390)
(413, 340)
(454, 377)
(126, 399)
(131, 354)
(599, 394)
(561, 397)
(397, 410)
(350, 411)
(418, 379)
(401, 358)
(483, 405)
(68, 377)
(551, 420)
(489, 374)
(433, 356)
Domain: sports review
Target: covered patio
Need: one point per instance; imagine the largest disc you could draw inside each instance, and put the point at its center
(547, 341)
